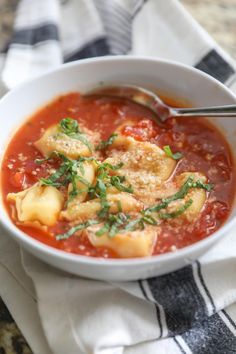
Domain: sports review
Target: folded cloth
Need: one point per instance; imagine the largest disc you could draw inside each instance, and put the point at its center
(191, 310)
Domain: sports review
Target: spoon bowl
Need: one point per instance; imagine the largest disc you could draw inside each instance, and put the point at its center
(162, 111)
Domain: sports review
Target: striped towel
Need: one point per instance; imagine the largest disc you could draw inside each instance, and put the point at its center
(191, 310)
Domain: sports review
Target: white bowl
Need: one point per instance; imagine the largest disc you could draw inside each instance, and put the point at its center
(170, 78)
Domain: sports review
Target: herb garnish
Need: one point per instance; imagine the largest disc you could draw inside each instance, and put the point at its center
(177, 212)
(169, 153)
(76, 228)
(120, 222)
(123, 222)
(67, 173)
(199, 184)
(104, 181)
(105, 143)
(117, 181)
(113, 224)
(101, 191)
(70, 127)
(140, 222)
(182, 192)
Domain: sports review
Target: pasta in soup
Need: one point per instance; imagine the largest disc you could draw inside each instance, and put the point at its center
(96, 176)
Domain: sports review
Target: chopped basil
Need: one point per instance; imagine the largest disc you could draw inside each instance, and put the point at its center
(177, 212)
(103, 167)
(207, 186)
(105, 143)
(53, 180)
(133, 225)
(116, 181)
(140, 222)
(52, 155)
(148, 219)
(182, 192)
(104, 180)
(102, 193)
(76, 228)
(169, 153)
(120, 222)
(113, 225)
(70, 127)
(103, 230)
(67, 173)
(49, 182)
(75, 191)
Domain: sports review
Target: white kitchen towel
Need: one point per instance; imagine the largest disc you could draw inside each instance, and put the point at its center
(192, 310)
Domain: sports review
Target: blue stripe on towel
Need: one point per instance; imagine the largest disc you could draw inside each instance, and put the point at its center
(34, 35)
(214, 65)
(95, 48)
(212, 336)
(179, 295)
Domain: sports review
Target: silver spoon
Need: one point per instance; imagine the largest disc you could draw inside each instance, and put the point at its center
(150, 100)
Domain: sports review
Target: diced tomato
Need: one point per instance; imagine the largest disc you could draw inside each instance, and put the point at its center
(18, 179)
(142, 131)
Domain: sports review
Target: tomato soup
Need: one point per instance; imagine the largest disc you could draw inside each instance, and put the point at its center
(195, 173)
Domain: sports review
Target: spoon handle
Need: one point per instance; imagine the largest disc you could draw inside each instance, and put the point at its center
(218, 111)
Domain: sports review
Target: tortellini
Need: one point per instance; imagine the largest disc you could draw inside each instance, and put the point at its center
(145, 166)
(89, 209)
(55, 140)
(128, 244)
(197, 195)
(38, 204)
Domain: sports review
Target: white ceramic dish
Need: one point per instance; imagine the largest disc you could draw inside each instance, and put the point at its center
(168, 77)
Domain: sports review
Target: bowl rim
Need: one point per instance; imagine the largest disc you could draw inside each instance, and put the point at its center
(42, 248)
